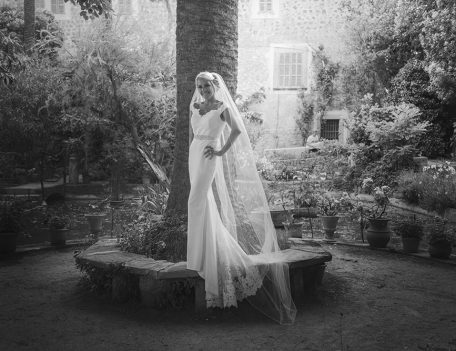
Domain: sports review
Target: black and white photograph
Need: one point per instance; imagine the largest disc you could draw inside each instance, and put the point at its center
(216, 175)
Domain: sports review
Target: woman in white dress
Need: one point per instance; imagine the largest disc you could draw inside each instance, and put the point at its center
(231, 238)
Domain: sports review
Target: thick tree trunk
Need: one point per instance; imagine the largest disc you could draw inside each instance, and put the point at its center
(29, 24)
(206, 40)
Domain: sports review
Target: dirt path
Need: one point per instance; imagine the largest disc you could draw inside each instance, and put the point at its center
(369, 301)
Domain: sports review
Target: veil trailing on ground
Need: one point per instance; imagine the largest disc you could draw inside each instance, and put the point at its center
(244, 211)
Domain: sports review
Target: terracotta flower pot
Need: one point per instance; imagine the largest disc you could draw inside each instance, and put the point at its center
(305, 212)
(378, 233)
(329, 224)
(293, 230)
(440, 249)
(95, 222)
(410, 245)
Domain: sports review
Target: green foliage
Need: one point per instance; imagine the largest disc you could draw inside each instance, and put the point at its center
(409, 229)
(322, 95)
(10, 216)
(49, 38)
(404, 51)
(59, 221)
(434, 189)
(388, 139)
(440, 232)
(91, 9)
(253, 120)
(30, 121)
(305, 114)
(332, 205)
(116, 89)
(381, 196)
(161, 239)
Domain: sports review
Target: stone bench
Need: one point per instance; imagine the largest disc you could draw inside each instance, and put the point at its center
(306, 266)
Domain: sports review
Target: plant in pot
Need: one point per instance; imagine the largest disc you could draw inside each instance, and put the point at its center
(441, 239)
(293, 226)
(95, 218)
(329, 207)
(305, 201)
(277, 199)
(378, 232)
(411, 233)
(58, 228)
(9, 226)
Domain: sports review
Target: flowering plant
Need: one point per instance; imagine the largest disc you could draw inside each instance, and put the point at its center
(441, 233)
(381, 197)
(441, 171)
(330, 205)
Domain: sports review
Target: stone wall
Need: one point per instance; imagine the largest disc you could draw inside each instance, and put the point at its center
(301, 25)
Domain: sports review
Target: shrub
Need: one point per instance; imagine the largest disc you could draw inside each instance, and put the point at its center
(159, 238)
(433, 189)
(440, 232)
(409, 229)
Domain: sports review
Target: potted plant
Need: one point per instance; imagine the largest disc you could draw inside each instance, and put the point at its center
(293, 226)
(329, 207)
(95, 218)
(378, 232)
(278, 215)
(441, 240)
(9, 226)
(58, 228)
(411, 233)
(305, 202)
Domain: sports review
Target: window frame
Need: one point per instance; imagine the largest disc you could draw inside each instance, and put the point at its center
(60, 4)
(122, 9)
(38, 4)
(306, 53)
(323, 129)
(256, 14)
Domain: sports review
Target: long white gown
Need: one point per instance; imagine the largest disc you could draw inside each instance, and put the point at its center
(229, 273)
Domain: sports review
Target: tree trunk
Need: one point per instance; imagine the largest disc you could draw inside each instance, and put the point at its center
(206, 40)
(29, 24)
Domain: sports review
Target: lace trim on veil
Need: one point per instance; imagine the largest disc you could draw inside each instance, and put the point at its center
(235, 284)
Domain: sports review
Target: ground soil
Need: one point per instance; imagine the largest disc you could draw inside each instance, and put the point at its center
(369, 300)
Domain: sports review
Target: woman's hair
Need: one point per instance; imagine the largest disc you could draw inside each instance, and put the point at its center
(210, 77)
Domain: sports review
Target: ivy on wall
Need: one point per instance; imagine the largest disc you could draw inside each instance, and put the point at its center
(322, 94)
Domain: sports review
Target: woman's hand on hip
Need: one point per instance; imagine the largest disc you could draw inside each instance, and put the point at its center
(210, 152)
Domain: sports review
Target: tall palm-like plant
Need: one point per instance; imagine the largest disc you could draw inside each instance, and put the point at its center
(206, 40)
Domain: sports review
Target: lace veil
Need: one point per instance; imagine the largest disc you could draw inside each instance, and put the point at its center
(244, 211)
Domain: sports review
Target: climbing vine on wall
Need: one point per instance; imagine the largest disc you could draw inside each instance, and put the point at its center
(314, 103)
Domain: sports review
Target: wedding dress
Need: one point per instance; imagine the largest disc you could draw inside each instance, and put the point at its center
(229, 273)
(231, 239)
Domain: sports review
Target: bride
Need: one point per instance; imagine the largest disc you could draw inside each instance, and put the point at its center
(231, 238)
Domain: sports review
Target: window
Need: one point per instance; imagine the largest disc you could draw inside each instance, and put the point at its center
(330, 129)
(265, 9)
(265, 6)
(290, 70)
(39, 4)
(58, 7)
(125, 7)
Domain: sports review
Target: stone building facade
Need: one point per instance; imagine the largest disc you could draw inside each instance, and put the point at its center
(277, 42)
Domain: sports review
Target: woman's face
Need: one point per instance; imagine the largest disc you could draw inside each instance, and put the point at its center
(205, 88)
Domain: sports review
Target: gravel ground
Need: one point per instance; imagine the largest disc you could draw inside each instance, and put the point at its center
(369, 300)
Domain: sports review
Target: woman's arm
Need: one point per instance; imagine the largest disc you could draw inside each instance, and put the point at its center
(235, 131)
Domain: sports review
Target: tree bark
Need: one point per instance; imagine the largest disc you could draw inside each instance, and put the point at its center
(206, 40)
(29, 24)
